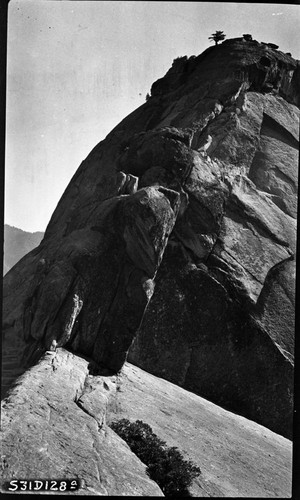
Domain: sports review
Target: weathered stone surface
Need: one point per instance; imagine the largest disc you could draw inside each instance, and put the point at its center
(104, 272)
(55, 424)
(276, 306)
(234, 232)
(237, 457)
(203, 337)
(49, 432)
(274, 171)
(196, 190)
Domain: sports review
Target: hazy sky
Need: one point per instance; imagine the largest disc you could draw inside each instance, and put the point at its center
(75, 69)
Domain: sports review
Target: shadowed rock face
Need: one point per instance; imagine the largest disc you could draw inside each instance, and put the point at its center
(91, 288)
(201, 179)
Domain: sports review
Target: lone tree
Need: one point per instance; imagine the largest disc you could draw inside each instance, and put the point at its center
(218, 36)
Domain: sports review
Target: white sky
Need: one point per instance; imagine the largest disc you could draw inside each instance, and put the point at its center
(75, 69)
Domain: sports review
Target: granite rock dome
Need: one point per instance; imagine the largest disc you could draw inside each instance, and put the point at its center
(175, 239)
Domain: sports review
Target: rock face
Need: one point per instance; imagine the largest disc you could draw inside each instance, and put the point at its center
(237, 457)
(197, 191)
(91, 286)
(47, 435)
(53, 430)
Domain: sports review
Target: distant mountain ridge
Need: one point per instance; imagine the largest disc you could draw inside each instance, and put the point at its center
(18, 243)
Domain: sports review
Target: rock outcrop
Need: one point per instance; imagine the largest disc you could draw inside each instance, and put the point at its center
(196, 191)
(90, 286)
(55, 425)
(47, 435)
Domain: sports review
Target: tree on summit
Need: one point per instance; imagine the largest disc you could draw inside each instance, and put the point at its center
(218, 36)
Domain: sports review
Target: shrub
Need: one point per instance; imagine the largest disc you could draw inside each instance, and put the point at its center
(165, 465)
(179, 59)
(147, 97)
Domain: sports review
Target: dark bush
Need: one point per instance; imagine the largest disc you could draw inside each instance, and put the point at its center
(166, 466)
(179, 59)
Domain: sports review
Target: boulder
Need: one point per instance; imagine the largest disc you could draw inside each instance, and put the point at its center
(90, 289)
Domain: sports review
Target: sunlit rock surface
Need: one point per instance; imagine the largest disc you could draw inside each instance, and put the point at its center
(55, 424)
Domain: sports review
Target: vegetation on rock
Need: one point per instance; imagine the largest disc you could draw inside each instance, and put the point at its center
(247, 37)
(165, 465)
(180, 59)
(218, 36)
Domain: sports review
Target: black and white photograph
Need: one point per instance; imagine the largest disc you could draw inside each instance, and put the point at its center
(149, 249)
